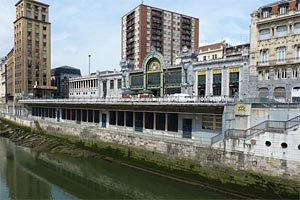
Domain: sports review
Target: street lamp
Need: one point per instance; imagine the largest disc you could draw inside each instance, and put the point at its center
(89, 64)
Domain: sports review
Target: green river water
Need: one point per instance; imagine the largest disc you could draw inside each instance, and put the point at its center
(27, 175)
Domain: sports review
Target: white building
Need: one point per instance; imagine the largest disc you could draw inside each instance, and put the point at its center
(106, 84)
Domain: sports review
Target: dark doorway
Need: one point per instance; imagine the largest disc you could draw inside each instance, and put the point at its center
(187, 128)
(58, 116)
(139, 121)
(78, 116)
(103, 120)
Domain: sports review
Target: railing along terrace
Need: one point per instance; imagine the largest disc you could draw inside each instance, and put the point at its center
(268, 125)
(279, 61)
(209, 100)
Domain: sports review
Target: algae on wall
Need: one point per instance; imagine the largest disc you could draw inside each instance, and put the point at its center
(209, 167)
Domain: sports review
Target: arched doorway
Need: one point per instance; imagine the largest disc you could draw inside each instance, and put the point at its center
(280, 94)
(263, 94)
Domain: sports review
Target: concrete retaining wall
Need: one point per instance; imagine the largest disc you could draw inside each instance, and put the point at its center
(236, 154)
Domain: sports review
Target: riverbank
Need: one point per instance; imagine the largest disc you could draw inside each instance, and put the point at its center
(214, 177)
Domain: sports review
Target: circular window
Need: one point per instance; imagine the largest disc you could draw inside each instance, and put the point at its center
(284, 145)
(268, 143)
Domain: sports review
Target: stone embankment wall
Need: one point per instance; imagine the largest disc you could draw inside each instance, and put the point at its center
(233, 168)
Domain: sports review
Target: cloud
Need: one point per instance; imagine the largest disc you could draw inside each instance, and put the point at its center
(84, 27)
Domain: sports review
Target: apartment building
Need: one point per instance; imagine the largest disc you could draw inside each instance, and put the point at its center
(275, 51)
(10, 76)
(146, 27)
(32, 51)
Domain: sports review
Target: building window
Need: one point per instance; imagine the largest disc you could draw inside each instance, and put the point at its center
(111, 84)
(263, 74)
(295, 73)
(281, 51)
(28, 13)
(44, 28)
(297, 52)
(217, 84)
(29, 25)
(266, 13)
(264, 56)
(276, 74)
(119, 83)
(43, 18)
(267, 74)
(282, 10)
(283, 73)
(281, 31)
(264, 34)
(297, 28)
(260, 75)
(204, 58)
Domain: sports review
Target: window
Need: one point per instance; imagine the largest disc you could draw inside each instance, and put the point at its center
(43, 17)
(283, 73)
(29, 25)
(260, 75)
(267, 74)
(294, 73)
(264, 34)
(204, 58)
(264, 56)
(276, 74)
(282, 10)
(297, 28)
(266, 13)
(281, 31)
(111, 84)
(44, 28)
(234, 77)
(281, 54)
(297, 52)
(28, 13)
(119, 83)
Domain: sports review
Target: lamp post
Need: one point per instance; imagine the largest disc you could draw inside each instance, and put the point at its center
(89, 64)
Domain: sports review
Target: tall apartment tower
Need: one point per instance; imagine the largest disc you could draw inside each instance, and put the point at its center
(275, 51)
(32, 49)
(146, 27)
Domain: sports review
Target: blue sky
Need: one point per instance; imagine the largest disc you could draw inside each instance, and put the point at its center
(83, 27)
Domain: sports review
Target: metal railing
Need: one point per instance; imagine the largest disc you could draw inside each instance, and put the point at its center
(168, 99)
(269, 125)
(278, 61)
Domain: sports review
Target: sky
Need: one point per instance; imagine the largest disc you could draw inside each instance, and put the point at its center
(93, 27)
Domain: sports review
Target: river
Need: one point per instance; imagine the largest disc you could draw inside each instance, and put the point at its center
(29, 175)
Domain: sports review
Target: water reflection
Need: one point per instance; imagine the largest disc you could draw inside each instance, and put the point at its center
(28, 175)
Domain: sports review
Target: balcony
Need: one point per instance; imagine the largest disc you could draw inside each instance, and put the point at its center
(295, 60)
